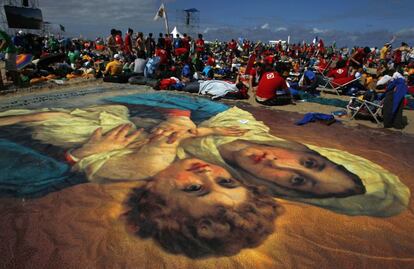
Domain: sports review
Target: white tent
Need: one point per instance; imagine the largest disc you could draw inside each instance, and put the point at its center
(175, 32)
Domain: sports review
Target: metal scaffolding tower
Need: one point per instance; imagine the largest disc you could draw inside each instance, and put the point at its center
(188, 21)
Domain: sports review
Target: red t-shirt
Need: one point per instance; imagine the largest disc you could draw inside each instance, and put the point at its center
(128, 44)
(232, 45)
(253, 74)
(342, 81)
(199, 45)
(211, 61)
(338, 73)
(180, 51)
(360, 55)
(119, 41)
(269, 84)
(186, 43)
(162, 53)
(250, 62)
(168, 43)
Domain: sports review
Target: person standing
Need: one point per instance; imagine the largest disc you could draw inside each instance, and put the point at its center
(128, 42)
(119, 41)
(110, 42)
(149, 45)
(186, 42)
(140, 43)
(6, 46)
(161, 41)
(199, 45)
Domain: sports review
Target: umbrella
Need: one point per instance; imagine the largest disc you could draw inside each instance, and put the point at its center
(23, 60)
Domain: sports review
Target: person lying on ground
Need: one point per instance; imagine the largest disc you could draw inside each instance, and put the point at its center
(218, 89)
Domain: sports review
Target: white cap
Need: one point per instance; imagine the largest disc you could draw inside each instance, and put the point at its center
(20, 32)
(384, 80)
(117, 56)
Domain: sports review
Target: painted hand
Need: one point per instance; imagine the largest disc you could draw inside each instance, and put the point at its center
(117, 138)
(229, 131)
(170, 136)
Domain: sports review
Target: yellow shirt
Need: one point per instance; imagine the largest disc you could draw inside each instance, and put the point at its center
(114, 68)
(383, 52)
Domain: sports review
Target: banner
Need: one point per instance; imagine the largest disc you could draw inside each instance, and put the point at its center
(160, 13)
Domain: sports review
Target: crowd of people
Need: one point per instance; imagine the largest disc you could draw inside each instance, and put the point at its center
(276, 74)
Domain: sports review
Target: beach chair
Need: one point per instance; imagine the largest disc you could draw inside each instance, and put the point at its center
(328, 85)
(323, 71)
(366, 109)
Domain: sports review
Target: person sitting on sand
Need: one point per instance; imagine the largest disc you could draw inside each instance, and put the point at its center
(272, 89)
(113, 69)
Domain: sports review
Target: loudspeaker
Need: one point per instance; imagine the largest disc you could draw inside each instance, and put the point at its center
(25, 3)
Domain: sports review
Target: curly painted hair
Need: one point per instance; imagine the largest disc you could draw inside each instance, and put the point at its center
(222, 233)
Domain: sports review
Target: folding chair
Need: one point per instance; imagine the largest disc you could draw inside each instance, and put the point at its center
(329, 85)
(322, 71)
(365, 108)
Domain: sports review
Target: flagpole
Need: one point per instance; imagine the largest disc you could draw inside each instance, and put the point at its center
(166, 21)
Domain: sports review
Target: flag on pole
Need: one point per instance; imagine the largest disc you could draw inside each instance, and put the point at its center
(160, 13)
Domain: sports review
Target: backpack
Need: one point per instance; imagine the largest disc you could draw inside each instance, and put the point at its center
(151, 66)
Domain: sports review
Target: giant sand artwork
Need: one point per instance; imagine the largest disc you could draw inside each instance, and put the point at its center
(167, 181)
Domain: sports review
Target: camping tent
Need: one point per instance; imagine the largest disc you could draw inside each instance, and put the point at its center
(175, 32)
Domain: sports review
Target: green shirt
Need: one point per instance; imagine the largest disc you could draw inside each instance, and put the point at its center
(73, 56)
(10, 48)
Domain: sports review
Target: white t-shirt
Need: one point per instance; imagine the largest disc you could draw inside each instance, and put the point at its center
(139, 65)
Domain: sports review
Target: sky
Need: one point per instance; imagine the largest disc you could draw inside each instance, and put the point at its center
(348, 23)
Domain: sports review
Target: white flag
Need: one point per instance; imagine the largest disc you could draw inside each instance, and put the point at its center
(160, 13)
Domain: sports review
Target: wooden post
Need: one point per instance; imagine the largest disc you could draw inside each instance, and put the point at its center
(1, 81)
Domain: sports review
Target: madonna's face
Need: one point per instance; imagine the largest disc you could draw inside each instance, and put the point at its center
(304, 171)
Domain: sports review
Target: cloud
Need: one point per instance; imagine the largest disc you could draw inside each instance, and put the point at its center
(208, 29)
(281, 29)
(92, 18)
(298, 34)
(406, 33)
(319, 31)
(265, 26)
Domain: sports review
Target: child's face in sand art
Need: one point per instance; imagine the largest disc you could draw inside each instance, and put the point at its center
(197, 186)
(302, 170)
(198, 209)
